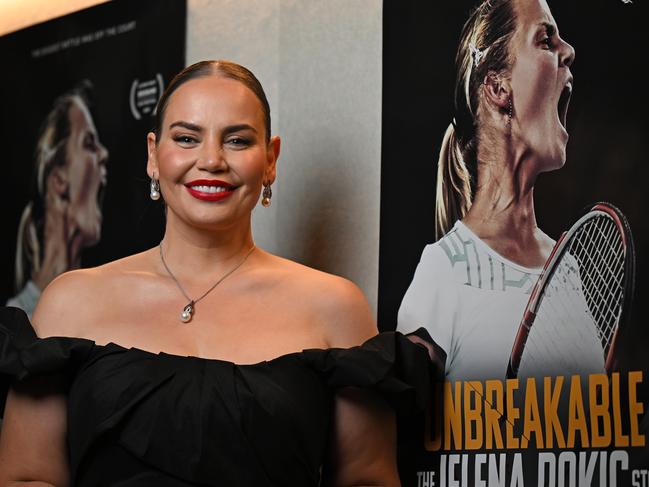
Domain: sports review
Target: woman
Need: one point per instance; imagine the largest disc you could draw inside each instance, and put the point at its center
(189, 363)
(511, 98)
(64, 216)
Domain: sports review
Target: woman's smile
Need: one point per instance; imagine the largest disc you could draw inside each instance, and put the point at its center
(210, 189)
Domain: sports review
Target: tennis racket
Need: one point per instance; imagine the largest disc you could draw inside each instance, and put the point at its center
(580, 301)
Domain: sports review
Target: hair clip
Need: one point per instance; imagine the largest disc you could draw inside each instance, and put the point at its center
(476, 54)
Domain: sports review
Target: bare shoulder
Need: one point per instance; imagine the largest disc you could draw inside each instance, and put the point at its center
(335, 302)
(72, 301)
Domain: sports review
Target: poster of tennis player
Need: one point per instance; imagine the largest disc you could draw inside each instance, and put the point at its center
(78, 95)
(520, 244)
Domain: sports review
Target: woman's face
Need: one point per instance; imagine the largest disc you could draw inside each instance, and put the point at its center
(212, 156)
(541, 83)
(86, 161)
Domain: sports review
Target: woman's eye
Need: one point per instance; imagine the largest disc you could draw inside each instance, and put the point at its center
(184, 139)
(89, 143)
(549, 33)
(238, 142)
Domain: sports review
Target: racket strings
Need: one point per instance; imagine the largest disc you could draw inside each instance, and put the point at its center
(603, 288)
(595, 281)
(590, 278)
(580, 305)
(602, 261)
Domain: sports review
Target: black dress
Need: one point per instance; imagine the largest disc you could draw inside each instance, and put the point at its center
(137, 418)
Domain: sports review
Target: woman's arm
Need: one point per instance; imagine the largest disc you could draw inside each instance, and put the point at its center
(363, 446)
(33, 447)
(32, 440)
(363, 437)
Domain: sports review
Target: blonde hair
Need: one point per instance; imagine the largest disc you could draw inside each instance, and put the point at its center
(483, 48)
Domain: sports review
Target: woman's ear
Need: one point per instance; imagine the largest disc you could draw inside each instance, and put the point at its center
(58, 182)
(497, 91)
(274, 146)
(152, 161)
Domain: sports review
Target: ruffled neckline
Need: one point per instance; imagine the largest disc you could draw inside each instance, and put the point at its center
(175, 356)
(21, 334)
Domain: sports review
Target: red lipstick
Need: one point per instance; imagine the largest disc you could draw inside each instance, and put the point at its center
(210, 189)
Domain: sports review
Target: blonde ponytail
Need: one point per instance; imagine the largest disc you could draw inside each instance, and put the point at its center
(483, 48)
(453, 196)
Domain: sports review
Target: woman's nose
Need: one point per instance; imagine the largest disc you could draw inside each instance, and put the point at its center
(211, 157)
(566, 54)
(102, 153)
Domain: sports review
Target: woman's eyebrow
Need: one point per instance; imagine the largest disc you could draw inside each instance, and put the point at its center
(186, 125)
(239, 127)
(549, 28)
(226, 131)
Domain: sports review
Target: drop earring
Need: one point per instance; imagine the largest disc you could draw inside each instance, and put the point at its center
(267, 194)
(155, 189)
(510, 109)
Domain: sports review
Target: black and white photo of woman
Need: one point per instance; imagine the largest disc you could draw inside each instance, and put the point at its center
(64, 214)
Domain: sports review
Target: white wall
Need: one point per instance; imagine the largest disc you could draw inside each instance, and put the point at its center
(320, 64)
(16, 14)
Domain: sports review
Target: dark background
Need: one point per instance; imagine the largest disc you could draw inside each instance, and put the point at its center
(607, 151)
(131, 221)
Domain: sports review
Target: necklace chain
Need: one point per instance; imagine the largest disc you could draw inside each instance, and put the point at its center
(188, 310)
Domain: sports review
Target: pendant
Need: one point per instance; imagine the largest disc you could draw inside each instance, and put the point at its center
(188, 312)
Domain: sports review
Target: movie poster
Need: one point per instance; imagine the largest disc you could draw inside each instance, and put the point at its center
(79, 93)
(578, 416)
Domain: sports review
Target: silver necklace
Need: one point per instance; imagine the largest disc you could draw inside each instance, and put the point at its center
(188, 310)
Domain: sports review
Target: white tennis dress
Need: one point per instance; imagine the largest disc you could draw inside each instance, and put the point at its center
(471, 300)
